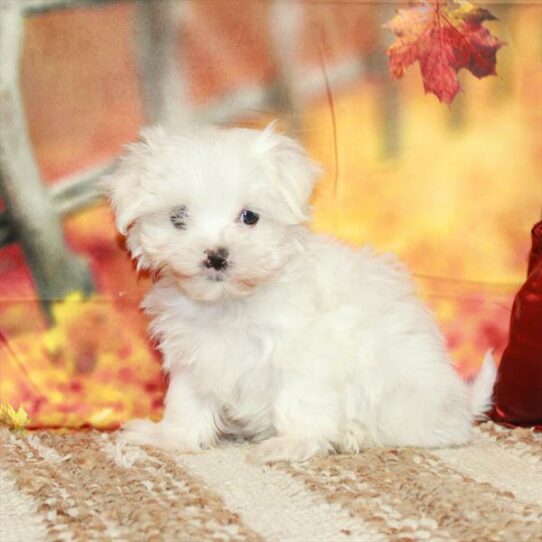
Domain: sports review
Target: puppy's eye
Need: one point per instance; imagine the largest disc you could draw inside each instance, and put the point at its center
(178, 217)
(249, 217)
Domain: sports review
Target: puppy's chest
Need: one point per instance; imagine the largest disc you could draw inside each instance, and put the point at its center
(229, 356)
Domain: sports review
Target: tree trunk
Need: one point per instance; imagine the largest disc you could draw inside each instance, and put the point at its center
(55, 269)
(388, 103)
(285, 26)
(160, 70)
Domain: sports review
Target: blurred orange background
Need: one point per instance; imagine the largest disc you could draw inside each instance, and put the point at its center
(453, 190)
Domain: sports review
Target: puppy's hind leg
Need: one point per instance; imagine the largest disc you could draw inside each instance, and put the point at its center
(354, 438)
(305, 419)
(287, 448)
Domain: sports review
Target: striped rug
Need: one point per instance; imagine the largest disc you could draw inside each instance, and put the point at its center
(82, 486)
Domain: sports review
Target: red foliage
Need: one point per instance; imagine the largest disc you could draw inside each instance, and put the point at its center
(443, 41)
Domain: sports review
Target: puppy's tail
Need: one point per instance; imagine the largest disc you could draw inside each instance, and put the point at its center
(481, 390)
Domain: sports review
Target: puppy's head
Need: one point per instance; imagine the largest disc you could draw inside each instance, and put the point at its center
(216, 209)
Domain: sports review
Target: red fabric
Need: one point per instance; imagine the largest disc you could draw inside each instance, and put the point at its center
(518, 391)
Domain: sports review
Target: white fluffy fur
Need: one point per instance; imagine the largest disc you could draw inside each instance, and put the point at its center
(302, 343)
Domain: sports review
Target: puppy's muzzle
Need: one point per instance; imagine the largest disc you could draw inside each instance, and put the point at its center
(216, 259)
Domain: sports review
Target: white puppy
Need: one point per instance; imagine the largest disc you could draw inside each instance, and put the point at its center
(268, 331)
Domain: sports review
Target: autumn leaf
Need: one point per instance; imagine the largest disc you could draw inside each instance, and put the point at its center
(16, 419)
(443, 41)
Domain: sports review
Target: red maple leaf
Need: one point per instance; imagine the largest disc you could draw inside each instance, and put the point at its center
(443, 41)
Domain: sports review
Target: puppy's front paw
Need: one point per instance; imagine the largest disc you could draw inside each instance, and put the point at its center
(289, 449)
(161, 435)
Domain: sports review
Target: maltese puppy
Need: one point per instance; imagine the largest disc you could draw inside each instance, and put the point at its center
(270, 332)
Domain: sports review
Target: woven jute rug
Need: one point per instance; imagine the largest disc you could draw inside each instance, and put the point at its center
(83, 486)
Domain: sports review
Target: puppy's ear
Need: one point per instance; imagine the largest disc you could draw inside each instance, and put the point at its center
(125, 187)
(291, 170)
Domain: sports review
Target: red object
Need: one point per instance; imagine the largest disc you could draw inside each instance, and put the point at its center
(518, 391)
(443, 40)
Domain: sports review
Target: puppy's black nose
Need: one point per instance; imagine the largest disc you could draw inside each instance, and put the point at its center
(216, 259)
